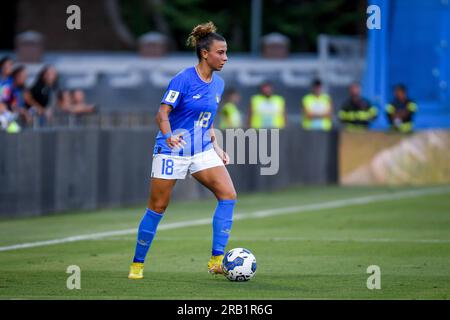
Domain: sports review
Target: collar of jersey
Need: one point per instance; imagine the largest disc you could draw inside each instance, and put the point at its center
(198, 75)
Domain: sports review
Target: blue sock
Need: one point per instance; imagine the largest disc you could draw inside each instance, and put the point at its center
(146, 233)
(222, 222)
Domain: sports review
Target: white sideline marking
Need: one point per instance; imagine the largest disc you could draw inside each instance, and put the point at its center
(240, 216)
(284, 239)
(389, 240)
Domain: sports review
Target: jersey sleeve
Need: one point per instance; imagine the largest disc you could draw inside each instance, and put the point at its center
(175, 91)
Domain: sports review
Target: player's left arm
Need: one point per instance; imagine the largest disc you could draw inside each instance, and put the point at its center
(220, 152)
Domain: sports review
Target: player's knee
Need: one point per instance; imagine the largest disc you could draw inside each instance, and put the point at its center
(158, 202)
(158, 206)
(228, 195)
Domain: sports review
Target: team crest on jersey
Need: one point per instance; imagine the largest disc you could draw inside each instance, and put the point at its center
(172, 96)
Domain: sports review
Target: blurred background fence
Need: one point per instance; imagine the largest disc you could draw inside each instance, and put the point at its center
(52, 170)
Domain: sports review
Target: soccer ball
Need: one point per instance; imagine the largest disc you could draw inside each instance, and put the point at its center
(239, 264)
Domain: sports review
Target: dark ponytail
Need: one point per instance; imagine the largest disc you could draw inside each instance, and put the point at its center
(202, 36)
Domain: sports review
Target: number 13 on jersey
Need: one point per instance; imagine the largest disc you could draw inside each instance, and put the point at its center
(203, 119)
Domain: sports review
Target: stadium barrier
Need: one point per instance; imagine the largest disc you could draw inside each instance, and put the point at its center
(57, 170)
(392, 159)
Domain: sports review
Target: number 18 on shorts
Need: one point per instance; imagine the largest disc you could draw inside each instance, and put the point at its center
(176, 167)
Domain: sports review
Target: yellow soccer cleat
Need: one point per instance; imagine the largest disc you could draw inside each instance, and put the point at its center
(136, 271)
(215, 264)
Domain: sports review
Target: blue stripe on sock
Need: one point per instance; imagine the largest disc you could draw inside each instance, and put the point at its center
(227, 201)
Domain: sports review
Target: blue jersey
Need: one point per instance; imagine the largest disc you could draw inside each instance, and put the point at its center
(194, 104)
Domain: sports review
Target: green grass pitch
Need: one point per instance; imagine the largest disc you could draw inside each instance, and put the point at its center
(315, 253)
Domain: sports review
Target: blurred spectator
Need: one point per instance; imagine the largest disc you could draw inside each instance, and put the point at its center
(7, 118)
(357, 112)
(267, 110)
(317, 109)
(40, 95)
(13, 95)
(230, 116)
(63, 101)
(401, 110)
(73, 102)
(6, 67)
(79, 104)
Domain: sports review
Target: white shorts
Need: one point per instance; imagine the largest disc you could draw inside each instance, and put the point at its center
(166, 166)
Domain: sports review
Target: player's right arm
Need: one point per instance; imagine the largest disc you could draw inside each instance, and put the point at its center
(171, 99)
(162, 120)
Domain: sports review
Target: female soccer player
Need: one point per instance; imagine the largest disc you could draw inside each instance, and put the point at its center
(186, 141)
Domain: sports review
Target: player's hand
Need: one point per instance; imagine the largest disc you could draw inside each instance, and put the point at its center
(176, 141)
(222, 155)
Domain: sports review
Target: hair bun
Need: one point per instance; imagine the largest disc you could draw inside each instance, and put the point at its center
(199, 32)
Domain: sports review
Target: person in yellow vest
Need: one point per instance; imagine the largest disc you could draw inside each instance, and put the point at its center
(357, 112)
(230, 115)
(401, 110)
(267, 110)
(317, 109)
